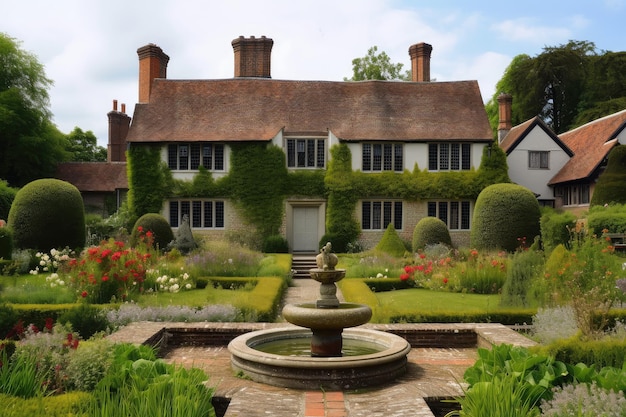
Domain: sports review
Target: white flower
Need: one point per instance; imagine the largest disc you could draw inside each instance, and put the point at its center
(188, 286)
(379, 275)
(42, 262)
(53, 252)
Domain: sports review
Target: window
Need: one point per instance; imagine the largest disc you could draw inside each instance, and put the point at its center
(377, 215)
(306, 153)
(573, 195)
(187, 156)
(383, 157)
(207, 214)
(449, 156)
(538, 159)
(455, 214)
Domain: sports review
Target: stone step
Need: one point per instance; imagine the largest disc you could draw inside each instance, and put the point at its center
(301, 263)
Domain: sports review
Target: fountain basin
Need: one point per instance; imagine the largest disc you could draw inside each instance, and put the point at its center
(306, 372)
(345, 315)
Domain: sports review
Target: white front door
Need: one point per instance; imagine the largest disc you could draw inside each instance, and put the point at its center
(305, 227)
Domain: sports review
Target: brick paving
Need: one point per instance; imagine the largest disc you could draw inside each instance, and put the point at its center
(431, 372)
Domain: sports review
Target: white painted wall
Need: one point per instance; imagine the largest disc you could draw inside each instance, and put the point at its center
(536, 180)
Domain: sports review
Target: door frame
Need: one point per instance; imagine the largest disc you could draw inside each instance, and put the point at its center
(321, 218)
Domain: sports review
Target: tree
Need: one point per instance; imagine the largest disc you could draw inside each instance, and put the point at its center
(611, 185)
(83, 147)
(30, 144)
(558, 84)
(377, 66)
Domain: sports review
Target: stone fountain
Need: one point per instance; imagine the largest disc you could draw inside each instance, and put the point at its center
(326, 350)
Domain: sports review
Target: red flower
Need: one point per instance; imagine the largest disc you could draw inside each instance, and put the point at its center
(422, 255)
(119, 244)
(49, 324)
(408, 269)
(445, 281)
(140, 229)
(105, 278)
(105, 253)
(84, 294)
(404, 277)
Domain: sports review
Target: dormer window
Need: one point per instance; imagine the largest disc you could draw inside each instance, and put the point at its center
(306, 153)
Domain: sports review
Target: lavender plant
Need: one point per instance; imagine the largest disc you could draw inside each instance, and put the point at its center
(128, 313)
(584, 400)
(551, 324)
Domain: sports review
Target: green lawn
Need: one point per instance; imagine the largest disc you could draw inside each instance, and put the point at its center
(416, 300)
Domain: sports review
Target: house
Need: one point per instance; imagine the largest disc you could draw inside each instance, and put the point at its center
(103, 185)
(396, 132)
(561, 170)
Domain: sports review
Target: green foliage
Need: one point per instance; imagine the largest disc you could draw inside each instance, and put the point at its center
(275, 244)
(8, 318)
(257, 182)
(611, 218)
(504, 214)
(83, 146)
(30, 144)
(147, 386)
(391, 243)
(63, 405)
(611, 185)
(149, 181)
(525, 266)
(6, 243)
(430, 231)
(85, 319)
(377, 66)
(342, 227)
(47, 214)
(278, 265)
(89, 364)
(493, 168)
(606, 352)
(155, 223)
(7, 195)
(555, 228)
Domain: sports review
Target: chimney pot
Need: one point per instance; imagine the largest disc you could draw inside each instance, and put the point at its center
(114, 105)
(124, 108)
(420, 61)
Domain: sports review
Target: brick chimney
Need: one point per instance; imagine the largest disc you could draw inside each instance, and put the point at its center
(420, 61)
(505, 123)
(152, 64)
(253, 56)
(119, 122)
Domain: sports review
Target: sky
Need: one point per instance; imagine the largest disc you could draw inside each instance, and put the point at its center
(89, 47)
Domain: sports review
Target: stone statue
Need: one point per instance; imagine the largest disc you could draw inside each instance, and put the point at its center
(184, 241)
(326, 260)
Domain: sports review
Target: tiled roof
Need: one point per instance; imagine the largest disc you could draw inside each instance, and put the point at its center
(590, 143)
(517, 134)
(94, 176)
(244, 109)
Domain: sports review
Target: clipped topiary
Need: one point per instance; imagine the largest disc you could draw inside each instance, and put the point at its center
(611, 186)
(47, 214)
(505, 216)
(391, 243)
(430, 231)
(157, 225)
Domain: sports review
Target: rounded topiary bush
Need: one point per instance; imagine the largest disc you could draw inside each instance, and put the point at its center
(157, 225)
(47, 214)
(430, 231)
(505, 216)
(275, 244)
(391, 243)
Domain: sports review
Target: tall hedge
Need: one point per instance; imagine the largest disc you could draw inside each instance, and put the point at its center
(503, 215)
(611, 186)
(47, 214)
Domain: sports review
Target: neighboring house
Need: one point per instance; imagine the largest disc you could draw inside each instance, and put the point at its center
(389, 127)
(561, 170)
(103, 185)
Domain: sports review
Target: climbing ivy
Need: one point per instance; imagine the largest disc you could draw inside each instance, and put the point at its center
(258, 183)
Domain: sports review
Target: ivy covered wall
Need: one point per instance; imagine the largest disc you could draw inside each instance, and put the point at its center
(258, 183)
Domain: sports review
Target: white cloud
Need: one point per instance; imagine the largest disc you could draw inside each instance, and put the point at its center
(524, 30)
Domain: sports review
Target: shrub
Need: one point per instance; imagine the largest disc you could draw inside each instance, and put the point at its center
(430, 231)
(85, 319)
(7, 195)
(555, 229)
(611, 218)
(157, 225)
(275, 244)
(611, 185)
(585, 400)
(551, 324)
(503, 214)
(391, 243)
(89, 364)
(6, 243)
(46, 214)
(524, 267)
(8, 318)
